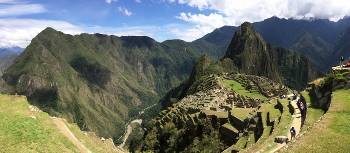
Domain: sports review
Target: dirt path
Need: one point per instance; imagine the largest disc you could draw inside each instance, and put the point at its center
(128, 131)
(61, 125)
(296, 123)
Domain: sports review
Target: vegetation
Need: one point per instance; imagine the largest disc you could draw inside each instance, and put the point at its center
(93, 72)
(94, 142)
(332, 134)
(97, 81)
(170, 138)
(22, 130)
(237, 87)
(282, 121)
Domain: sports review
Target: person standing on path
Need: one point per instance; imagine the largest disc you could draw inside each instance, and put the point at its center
(292, 133)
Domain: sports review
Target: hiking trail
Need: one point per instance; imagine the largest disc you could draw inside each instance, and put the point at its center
(61, 125)
(296, 123)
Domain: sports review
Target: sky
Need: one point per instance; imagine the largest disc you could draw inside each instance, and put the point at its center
(22, 20)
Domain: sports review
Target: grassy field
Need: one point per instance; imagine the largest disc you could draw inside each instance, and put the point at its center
(236, 86)
(25, 129)
(241, 113)
(332, 134)
(20, 132)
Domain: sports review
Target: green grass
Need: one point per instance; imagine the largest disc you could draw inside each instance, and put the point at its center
(230, 127)
(266, 141)
(21, 133)
(241, 113)
(92, 141)
(332, 134)
(236, 86)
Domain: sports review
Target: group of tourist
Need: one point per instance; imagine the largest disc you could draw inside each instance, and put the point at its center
(301, 103)
(302, 106)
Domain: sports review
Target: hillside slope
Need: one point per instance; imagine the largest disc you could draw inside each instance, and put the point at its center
(332, 133)
(24, 128)
(97, 81)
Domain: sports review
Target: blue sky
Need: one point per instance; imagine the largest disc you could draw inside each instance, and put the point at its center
(21, 20)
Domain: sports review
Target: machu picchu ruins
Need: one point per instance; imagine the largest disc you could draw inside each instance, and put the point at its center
(241, 107)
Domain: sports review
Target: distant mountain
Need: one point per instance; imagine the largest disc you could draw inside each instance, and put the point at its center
(15, 49)
(316, 39)
(342, 47)
(216, 42)
(98, 81)
(7, 56)
(248, 53)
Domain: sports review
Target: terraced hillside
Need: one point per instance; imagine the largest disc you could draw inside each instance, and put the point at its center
(25, 128)
(233, 111)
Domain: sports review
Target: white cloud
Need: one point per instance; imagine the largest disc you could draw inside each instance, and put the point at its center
(235, 12)
(123, 31)
(8, 1)
(138, 1)
(124, 11)
(19, 32)
(110, 1)
(17, 8)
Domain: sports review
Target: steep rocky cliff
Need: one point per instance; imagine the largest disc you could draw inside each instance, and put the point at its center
(252, 55)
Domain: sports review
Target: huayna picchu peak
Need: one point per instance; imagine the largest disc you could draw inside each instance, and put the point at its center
(252, 55)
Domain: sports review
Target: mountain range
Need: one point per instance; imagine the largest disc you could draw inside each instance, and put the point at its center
(101, 82)
(248, 53)
(7, 55)
(98, 81)
(320, 40)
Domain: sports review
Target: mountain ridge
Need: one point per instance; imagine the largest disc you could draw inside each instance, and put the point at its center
(95, 80)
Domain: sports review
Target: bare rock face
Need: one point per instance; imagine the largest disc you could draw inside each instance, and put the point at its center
(250, 53)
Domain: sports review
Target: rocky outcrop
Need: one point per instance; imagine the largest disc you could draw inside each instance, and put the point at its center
(321, 90)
